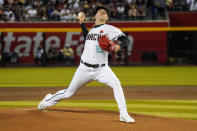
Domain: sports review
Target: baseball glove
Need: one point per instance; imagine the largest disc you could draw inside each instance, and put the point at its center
(106, 44)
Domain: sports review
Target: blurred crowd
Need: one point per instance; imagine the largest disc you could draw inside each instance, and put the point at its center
(67, 10)
(52, 55)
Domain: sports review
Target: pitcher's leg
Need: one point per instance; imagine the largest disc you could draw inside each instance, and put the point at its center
(107, 77)
(80, 78)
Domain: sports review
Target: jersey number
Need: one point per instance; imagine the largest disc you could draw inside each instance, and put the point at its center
(98, 49)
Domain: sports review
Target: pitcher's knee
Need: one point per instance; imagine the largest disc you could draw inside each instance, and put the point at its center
(116, 84)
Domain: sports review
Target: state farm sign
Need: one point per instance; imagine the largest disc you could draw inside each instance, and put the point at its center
(25, 44)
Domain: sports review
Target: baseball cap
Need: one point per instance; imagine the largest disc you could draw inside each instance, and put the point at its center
(101, 7)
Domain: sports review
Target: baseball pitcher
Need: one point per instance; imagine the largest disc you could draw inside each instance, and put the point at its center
(99, 41)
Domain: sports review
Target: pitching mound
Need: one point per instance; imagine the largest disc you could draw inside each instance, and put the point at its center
(72, 119)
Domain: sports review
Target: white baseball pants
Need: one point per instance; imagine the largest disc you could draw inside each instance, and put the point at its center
(85, 74)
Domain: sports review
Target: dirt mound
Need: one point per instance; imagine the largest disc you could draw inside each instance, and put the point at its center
(74, 119)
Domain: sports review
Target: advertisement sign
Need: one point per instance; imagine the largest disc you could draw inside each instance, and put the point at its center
(144, 46)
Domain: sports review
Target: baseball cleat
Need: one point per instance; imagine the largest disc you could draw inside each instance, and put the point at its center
(125, 117)
(43, 104)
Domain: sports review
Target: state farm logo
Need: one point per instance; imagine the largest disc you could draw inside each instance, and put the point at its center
(25, 44)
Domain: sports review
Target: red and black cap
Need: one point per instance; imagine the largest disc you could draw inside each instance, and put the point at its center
(101, 7)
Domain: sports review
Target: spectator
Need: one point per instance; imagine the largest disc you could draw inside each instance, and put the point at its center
(120, 11)
(65, 17)
(154, 9)
(64, 14)
(31, 13)
(113, 13)
(140, 9)
(162, 8)
(38, 55)
(55, 15)
(192, 5)
(1, 2)
(89, 17)
(177, 5)
(68, 54)
(85, 6)
(132, 11)
(7, 57)
(11, 17)
(76, 5)
(184, 5)
(51, 54)
(28, 10)
(127, 7)
(14, 58)
(169, 5)
(130, 1)
(21, 2)
(72, 16)
(44, 15)
(2, 15)
(149, 6)
(20, 13)
(8, 12)
(49, 10)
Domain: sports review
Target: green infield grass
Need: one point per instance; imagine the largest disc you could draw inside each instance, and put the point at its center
(129, 76)
(186, 109)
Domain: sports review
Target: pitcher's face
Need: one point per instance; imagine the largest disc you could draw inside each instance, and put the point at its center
(101, 15)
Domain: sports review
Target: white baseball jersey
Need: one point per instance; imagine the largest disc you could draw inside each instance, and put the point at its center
(92, 53)
(84, 74)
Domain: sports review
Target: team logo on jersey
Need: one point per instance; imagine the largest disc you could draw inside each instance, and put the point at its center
(93, 36)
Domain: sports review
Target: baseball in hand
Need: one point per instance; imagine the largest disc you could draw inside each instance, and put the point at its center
(80, 15)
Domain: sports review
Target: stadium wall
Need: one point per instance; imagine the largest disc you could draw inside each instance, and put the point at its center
(182, 45)
(183, 18)
(144, 47)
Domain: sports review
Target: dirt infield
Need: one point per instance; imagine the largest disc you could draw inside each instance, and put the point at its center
(79, 119)
(74, 119)
(101, 93)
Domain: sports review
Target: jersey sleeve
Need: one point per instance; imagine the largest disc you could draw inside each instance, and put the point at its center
(114, 33)
(84, 30)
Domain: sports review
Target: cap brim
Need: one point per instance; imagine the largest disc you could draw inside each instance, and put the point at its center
(101, 7)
